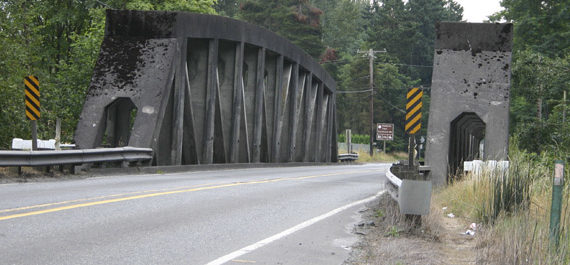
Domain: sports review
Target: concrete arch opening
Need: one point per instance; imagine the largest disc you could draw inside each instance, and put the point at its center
(119, 118)
(466, 142)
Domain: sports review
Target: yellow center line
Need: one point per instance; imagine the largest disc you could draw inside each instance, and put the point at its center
(142, 196)
(98, 198)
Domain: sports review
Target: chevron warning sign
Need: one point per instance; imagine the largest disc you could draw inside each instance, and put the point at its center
(414, 110)
(32, 90)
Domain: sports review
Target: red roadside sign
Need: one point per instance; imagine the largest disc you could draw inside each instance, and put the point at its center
(384, 131)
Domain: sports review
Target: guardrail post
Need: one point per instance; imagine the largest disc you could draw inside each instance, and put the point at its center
(411, 190)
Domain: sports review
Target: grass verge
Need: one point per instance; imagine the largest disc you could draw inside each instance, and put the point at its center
(378, 157)
(513, 210)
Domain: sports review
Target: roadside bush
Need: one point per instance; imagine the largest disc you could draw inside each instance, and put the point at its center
(356, 138)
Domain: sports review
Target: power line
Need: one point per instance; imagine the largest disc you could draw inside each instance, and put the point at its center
(353, 91)
(104, 4)
(392, 105)
(414, 65)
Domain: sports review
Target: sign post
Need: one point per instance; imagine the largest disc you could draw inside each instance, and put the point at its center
(348, 135)
(32, 92)
(413, 125)
(384, 132)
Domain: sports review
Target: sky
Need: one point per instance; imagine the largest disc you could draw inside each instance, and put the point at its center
(479, 10)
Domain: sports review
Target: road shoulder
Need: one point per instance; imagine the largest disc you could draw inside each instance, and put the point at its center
(385, 238)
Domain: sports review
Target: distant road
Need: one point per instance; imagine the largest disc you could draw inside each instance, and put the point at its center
(286, 215)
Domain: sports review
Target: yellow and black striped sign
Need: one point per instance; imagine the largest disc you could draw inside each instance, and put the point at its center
(32, 86)
(414, 110)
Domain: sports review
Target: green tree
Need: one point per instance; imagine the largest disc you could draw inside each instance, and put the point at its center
(407, 30)
(537, 86)
(197, 6)
(425, 14)
(228, 8)
(295, 20)
(343, 25)
(541, 26)
(540, 66)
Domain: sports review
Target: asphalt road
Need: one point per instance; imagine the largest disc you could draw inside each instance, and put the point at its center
(290, 215)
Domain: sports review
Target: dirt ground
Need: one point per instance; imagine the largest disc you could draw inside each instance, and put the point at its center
(386, 238)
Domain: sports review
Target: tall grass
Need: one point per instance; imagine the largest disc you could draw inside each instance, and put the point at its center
(514, 211)
(505, 191)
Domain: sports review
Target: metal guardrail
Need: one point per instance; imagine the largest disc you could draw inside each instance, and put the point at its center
(347, 157)
(393, 184)
(413, 196)
(74, 157)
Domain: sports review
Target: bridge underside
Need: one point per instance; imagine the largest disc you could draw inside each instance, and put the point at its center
(202, 89)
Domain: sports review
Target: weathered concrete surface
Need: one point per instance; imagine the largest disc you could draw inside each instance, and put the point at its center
(207, 89)
(471, 75)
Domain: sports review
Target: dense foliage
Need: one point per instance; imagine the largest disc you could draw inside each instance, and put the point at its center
(540, 73)
(355, 138)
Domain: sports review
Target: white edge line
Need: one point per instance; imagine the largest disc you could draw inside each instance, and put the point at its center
(259, 244)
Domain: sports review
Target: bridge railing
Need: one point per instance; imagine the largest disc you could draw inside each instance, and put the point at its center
(122, 155)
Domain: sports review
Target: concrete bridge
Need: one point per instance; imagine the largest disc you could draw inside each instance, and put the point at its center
(201, 89)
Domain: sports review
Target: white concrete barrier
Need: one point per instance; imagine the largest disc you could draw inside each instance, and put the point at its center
(21, 144)
(477, 167)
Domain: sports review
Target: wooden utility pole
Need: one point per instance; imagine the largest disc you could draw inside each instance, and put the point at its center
(370, 54)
